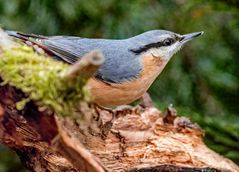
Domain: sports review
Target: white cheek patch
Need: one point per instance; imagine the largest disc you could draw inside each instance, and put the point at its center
(165, 52)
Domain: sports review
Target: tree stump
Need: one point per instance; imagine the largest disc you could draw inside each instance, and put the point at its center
(96, 139)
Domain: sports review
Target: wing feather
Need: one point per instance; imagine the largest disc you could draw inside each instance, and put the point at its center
(50, 44)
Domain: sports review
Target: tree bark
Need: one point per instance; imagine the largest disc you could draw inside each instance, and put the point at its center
(125, 139)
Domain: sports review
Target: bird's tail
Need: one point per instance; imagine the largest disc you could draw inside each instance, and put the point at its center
(11, 33)
(24, 36)
(37, 42)
(31, 40)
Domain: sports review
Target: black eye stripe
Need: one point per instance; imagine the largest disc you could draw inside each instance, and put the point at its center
(154, 45)
(146, 47)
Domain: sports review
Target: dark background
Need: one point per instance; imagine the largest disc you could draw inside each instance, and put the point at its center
(201, 81)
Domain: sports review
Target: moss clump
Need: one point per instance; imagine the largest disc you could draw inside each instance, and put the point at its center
(40, 78)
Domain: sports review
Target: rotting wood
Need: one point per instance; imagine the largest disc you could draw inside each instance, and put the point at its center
(142, 140)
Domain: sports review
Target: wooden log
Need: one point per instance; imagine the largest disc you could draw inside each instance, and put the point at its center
(138, 139)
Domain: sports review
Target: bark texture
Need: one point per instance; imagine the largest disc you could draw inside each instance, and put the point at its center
(133, 139)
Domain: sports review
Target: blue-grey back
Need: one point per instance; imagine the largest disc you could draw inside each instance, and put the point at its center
(120, 63)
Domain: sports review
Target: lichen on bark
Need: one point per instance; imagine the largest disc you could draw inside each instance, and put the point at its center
(40, 78)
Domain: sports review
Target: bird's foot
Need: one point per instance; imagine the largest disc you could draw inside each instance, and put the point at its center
(146, 101)
(118, 110)
(103, 108)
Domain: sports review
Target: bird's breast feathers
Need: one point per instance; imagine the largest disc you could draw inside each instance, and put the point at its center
(128, 91)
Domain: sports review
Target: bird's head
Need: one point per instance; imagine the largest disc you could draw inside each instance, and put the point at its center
(161, 43)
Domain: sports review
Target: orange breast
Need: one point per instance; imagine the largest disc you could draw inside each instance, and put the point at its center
(129, 91)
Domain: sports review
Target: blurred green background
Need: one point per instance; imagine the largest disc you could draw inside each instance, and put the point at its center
(201, 81)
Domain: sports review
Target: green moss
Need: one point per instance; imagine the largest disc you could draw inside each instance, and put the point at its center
(40, 79)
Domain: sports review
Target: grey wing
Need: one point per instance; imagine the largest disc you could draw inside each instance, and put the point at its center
(120, 64)
(68, 49)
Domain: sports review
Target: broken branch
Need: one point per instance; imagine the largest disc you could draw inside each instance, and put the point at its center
(86, 66)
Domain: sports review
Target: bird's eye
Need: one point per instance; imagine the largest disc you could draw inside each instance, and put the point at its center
(168, 42)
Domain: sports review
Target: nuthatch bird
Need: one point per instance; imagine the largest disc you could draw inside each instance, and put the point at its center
(131, 65)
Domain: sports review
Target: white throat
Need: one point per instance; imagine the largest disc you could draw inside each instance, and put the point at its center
(165, 52)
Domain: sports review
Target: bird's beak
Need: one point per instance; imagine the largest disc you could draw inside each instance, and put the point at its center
(187, 37)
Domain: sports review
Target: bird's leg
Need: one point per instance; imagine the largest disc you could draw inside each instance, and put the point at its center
(123, 108)
(104, 118)
(146, 101)
(117, 110)
(99, 107)
(107, 118)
